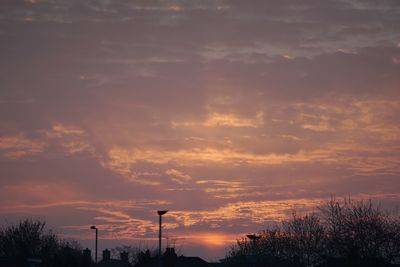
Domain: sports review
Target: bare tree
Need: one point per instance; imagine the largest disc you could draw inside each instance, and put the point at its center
(343, 233)
(305, 239)
(360, 232)
(30, 239)
(136, 253)
(27, 239)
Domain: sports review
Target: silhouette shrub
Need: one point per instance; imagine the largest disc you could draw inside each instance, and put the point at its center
(29, 239)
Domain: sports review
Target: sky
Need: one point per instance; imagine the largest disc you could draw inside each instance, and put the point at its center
(229, 114)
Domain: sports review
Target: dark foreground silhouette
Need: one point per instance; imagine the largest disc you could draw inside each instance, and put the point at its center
(343, 233)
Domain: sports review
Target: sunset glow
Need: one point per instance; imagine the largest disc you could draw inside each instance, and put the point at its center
(228, 114)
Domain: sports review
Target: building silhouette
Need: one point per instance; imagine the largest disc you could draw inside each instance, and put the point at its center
(107, 261)
(171, 259)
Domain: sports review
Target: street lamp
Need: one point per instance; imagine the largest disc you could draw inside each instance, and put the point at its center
(160, 214)
(97, 234)
(253, 239)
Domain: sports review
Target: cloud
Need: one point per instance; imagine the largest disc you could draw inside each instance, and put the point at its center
(240, 212)
(71, 139)
(59, 130)
(178, 176)
(225, 120)
(19, 146)
(121, 160)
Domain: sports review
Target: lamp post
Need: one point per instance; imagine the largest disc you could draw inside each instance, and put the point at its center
(253, 239)
(160, 214)
(97, 234)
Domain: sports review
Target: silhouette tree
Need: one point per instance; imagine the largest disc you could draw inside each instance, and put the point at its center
(296, 242)
(343, 233)
(305, 239)
(29, 239)
(136, 253)
(360, 234)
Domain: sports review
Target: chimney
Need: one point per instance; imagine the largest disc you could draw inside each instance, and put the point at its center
(106, 255)
(124, 256)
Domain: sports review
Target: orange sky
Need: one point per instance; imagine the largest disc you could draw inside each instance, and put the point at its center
(228, 114)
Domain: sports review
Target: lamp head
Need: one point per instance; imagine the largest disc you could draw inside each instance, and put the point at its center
(253, 237)
(93, 227)
(161, 212)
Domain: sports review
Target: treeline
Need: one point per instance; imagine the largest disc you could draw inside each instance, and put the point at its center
(341, 233)
(28, 243)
